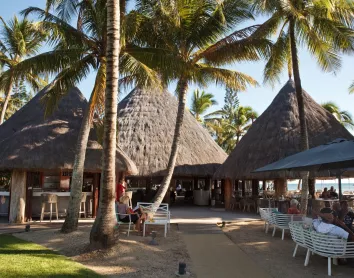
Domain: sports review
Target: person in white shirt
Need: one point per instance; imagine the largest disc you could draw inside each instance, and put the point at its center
(326, 225)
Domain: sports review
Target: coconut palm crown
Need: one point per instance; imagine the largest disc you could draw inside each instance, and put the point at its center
(344, 117)
(201, 102)
(19, 39)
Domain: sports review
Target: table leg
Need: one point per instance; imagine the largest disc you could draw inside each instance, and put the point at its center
(165, 229)
(144, 230)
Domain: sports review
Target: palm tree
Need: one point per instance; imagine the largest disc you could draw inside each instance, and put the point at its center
(102, 232)
(77, 52)
(342, 116)
(194, 36)
(229, 125)
(201, 101)
(19, 97)
(317, 25)
(19, 40)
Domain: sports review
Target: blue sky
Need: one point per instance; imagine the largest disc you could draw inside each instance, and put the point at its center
(321, 86)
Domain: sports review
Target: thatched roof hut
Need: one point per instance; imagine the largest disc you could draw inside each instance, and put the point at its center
(276, 134)
(29, 141)
(146, 126)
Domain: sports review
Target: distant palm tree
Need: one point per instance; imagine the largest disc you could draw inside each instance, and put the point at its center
(229, 125)
(201, 102)
(344, 117)
(321, 27)
(19, 40)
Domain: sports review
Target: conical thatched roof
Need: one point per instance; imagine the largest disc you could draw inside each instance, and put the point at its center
(276, 134)
(146, 126)
(28, 141)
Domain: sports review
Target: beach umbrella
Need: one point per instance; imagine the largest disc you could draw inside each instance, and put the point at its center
(336, 157)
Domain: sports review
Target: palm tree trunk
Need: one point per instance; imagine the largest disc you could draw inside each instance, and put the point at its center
(102, 233)
(304, 140)
(72, 216)
(6, 102)
(182, 95)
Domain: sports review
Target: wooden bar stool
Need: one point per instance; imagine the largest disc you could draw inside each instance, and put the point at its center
(83, 204)
(49, 199)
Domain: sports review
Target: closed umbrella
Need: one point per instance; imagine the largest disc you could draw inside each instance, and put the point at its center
(336, 157)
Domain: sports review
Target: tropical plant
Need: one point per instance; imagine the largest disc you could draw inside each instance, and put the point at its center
(342, 116)
(20, 38)
(229, 124)
(199, 37)
(102, 232)
(201, 102)
(77, 52)
(318, 25)
(19, 97)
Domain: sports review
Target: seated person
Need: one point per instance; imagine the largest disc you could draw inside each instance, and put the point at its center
(326, 225)
(325, 194)
(293, 207)
(135, 217)
(333, 193)
(346, 216)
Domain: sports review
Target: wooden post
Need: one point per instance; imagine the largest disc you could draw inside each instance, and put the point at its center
(312, 186)
(264, 185)
(29, 190)
(255, 188)
(18, 197)
(228, 193)
(95, 194)
(243, 188)
(280, 187)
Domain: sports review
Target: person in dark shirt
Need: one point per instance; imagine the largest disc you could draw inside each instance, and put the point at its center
(333, 193)
(346, 216)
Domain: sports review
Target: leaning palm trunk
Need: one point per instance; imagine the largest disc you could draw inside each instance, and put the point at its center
(72, 216)
(303, 124)
(6, 102)
(182, 94)
(102, 233)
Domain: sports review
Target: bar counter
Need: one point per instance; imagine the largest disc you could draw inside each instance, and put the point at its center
(63, 201)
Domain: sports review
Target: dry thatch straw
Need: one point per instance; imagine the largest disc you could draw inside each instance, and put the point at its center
(276, 134)
(146, 126)
(28, 141)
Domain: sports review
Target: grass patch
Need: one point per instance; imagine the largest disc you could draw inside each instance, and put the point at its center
(20, 258)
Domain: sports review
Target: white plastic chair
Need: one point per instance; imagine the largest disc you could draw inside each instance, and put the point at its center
(266, 216)
(124, 223)
(282, 221)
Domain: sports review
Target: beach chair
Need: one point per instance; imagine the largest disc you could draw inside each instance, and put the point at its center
(129, 224)
(281, 221)
(266, 216)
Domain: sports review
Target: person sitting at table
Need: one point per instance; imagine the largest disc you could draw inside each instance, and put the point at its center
(325, 194)
(137, 217)
(346, 216)
(327, 224)
(293, 207)
(333, 193)
(336, 221)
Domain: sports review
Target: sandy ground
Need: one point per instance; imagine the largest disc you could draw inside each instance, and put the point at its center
(132, 257)
(275, 255)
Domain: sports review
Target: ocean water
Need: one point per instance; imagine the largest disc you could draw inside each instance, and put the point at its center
(321, 186)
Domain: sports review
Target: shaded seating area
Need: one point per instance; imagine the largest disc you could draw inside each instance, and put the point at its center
(324, 245)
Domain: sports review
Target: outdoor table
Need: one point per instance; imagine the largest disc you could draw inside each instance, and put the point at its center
(156, 222)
